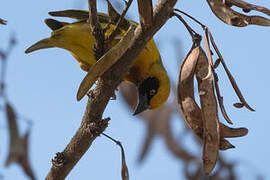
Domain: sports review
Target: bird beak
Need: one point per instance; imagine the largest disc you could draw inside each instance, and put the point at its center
(142, 105)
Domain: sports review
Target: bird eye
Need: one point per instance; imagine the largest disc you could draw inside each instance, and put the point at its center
(153, 92)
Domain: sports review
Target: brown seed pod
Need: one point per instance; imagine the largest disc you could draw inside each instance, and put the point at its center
(211, 136)
(185, 90)
(231, 17)
(18, 147)
(225, 144)
(188, 107)
(194, 116)
(228, 132)
(246, 7)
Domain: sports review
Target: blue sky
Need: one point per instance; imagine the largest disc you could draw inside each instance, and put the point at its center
(43, 86)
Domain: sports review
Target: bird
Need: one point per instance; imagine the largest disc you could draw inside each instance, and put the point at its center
(147, 73)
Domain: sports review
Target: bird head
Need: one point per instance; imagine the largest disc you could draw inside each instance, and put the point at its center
(152, 93)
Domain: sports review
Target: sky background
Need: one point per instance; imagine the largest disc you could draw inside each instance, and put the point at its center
(43, 86)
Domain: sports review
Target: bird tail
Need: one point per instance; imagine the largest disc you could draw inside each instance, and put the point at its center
(42, 44)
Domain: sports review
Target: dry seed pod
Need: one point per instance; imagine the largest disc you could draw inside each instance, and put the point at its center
(247, 7)
(188, 107)
(124, 170)
(231, 17)
(18, 148)
(225, 144)
(211, 136)
(228, 132)
(12, 124)
(185, 90)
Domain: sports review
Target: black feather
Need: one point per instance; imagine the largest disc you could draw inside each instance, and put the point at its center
(54, 24)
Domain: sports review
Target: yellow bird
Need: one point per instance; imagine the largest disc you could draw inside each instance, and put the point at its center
(147, 73)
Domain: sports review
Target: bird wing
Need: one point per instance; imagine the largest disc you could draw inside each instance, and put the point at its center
(54, 24)
(71, 13)
(83, 15)
(80, 15)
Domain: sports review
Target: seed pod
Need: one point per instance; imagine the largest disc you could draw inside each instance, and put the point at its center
(228, 132)
(192, 113)
(211, 136)
(225, 144)
(229, 16)
(187, 105)
(18, 148)
(247, 7)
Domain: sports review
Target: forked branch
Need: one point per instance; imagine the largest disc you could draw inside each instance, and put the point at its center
(92, 124)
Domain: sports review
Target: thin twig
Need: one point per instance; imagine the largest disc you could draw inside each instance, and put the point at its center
(109, 137)
(194, 19)
(220, 99)
(4, 56)
(190, 30)
(195, 36)
(2, 80)
(117, 27)
(124, 170)
(233, 82)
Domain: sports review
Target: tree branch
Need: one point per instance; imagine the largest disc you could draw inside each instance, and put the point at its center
(92, 124)
(96, 28)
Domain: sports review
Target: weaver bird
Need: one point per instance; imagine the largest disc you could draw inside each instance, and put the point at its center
(147, 73)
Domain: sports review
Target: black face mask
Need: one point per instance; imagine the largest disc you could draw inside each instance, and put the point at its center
(147, 89)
